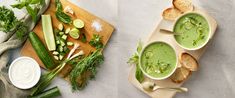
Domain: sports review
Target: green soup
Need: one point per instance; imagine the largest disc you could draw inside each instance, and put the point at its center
(158, 60)
(194, 29)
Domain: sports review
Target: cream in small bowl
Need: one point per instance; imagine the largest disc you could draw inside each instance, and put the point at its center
(24, 72)
(158, 60)
(195, 31)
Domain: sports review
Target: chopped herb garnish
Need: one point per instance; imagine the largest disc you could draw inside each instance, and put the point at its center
(9, 23)
(96, 41)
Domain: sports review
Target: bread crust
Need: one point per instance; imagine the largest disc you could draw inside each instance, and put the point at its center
(183, 5)
(188, 61)
(171, 13)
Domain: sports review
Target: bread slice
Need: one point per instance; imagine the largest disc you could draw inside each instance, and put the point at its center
(171, 13)
(180, 75)
(188, 61)
(183, 5)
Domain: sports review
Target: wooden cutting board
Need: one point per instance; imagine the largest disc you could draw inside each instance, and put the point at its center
(88, 18)
(157, 36)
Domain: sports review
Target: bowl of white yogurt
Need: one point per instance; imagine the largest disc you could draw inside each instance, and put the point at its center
(24, 72)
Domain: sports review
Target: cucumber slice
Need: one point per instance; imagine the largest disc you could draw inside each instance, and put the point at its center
(61, 57)
(67, 31)
(74, 33)
(48, 32)
(62, 43)
(61, 49)
(57, 42)
(56, 57)
(78, 23)
(61, 33)
(60, 27)
(55, 53)
(70, 43)
(64, 37)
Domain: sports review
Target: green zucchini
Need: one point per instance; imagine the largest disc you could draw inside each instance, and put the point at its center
(50, 93)
(41, 51)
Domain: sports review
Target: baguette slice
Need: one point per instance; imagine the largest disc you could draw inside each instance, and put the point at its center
(183, 5)
(171, 13)
(188, 61)
(180, 75)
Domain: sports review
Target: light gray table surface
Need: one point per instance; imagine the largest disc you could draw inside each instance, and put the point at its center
(134, 20)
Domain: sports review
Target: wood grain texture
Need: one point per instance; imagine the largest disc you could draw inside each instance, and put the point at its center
(157, 36)
(88, 18)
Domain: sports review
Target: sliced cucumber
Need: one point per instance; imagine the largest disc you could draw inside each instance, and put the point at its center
(61, 57)
(67, 31)
(74, 33)
(56, 57)
(61, 48)
(70, 43)
(64, 37)
(57, 42)
(55, 53)
(62, 43)
(61, 33)
(48, 32)
(78, 23)
(60, 27)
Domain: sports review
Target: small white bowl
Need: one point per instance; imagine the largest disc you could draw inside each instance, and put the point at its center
(209, 25)
(151, 77)
(24, 72)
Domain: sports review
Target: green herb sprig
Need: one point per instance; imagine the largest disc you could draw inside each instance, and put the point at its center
(85, 69)
(135, 60)
(60, 15)
(32, 7)
(9, 23)
(96, 41)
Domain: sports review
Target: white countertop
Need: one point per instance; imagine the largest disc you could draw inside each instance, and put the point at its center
(135, 19)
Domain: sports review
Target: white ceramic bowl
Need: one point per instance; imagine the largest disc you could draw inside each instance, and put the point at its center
(24, 72)
(155, 78)
(208, 38)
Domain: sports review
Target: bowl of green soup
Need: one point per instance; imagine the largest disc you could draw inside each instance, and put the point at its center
(158, 60)
(194, 31)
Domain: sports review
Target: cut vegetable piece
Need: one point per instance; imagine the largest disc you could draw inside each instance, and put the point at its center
(64, 37)
(70, 43)
(57, 42)
(48, 32)
(56, 57)
(74, 33)
(62, 43)
(50, 93)
(183, 5)
(55, 53)
(171, 13)
(67, 31)
(60, 27)
(61, 33)
(41, 51)
(61, 49)
(61, 57)
(189, 62)
(180, 75)
(78, 23)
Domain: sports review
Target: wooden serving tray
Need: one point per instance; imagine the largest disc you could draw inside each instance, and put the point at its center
(88, 18)
(157, 36)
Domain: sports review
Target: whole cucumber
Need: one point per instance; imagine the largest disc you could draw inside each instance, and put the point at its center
(41, 51)
(50, 93)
